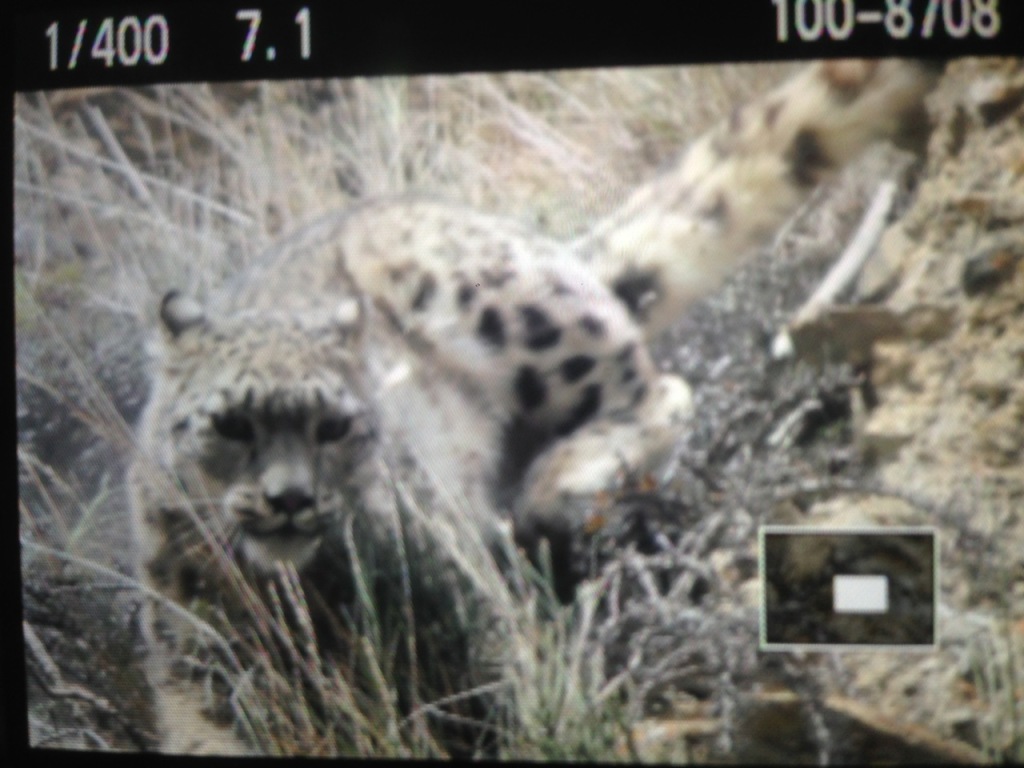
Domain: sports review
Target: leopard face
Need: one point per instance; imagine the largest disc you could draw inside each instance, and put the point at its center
(263, 426)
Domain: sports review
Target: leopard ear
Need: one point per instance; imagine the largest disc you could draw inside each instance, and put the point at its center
(179, 313)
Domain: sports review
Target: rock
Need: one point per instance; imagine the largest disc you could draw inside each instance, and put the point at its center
(843, 333)
(892, 364)
(992, 265)
(996, 97)
(928, 322)
(990, 377)
(892, 426)
(865, 511)
(1001, 438)
(884, 269)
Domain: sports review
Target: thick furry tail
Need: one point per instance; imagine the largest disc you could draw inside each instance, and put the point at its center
(678, 237)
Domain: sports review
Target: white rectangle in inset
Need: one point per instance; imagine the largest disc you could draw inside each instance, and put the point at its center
(860, 594)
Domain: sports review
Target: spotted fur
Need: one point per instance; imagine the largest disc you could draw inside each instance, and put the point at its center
(676, 238)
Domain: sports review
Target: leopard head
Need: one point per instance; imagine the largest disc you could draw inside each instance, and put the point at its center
(263, 425)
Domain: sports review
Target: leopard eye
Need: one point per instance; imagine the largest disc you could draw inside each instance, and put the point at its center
(234, 426)
(333, 428)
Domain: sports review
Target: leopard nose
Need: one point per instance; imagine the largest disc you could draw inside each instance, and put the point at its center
(290, 501)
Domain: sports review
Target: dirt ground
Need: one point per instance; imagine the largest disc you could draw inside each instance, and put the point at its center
(926, 430)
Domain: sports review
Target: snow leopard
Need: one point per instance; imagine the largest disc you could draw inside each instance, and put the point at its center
(414, 375)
